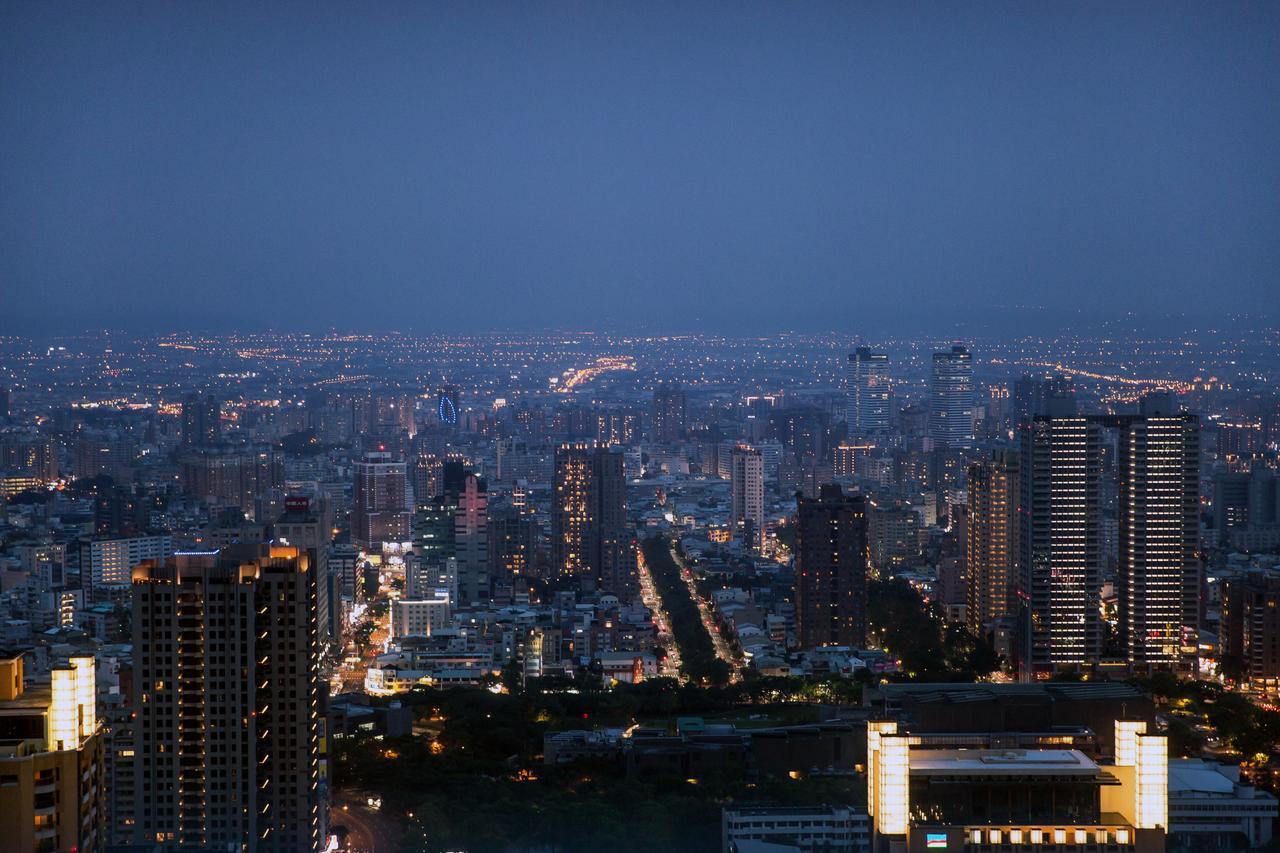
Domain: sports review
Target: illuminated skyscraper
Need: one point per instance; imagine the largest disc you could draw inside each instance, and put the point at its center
(1060, 544)
(379, 501)
(1159, 574)
(831, 570)
(951, 398)
(228, 701)
(670, 413)
(868, 392)
(589, 532)
(989, 539)
(1060, 531)
(746, 494)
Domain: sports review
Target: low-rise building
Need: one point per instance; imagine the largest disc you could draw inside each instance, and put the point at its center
(830, 829)
(1211, 809)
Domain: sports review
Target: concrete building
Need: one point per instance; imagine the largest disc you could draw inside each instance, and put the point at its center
(829, 829)
(1211, 809)
(106, 563)
(989, 542)
(229, 701)
(52, 795)
(960, 793)
(379, 501)
(831, 570)
(419, 617)
(746, 495)
(590, 537)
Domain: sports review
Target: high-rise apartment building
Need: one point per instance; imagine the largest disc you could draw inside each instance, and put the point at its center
(52, 795)
(106, 562)
(831, 570)
(670, 413)
(232, 475)
(951, 398)
(618, 427)
(379, 501)
(989, 540)
(1158, 581)
(513, 543)
(868, 392)
(471, 540)
(746, 494)
(1061, 471)
(201, 420)
(590, 537)
(1060, 544)
(1249, 635)
(228, 701)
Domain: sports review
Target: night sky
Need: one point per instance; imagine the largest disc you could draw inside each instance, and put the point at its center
(726, 167)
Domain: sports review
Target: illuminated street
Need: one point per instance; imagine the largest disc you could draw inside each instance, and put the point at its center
(708, 619)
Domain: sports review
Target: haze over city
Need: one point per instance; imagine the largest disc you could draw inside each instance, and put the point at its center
(676, 167)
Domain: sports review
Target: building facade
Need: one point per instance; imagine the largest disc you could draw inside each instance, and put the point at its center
(868, 392)
(951, 398)
(831, 570)
(229, 701)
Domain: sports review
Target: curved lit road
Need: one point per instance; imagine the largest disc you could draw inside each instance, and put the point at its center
(369, 831)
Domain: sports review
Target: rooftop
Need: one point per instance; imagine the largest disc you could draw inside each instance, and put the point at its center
(1002, 762)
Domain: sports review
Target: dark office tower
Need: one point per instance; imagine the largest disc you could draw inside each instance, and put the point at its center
(590, 537)
(831, 570)
(201, 420)
(1159, 573)
(1059, 544)
(229, 701)
(670, 413)
(989, 540)
(868, 392)
(379, 506)
(5, 410)
(471, 540)
(448, 404)
(951, 398)
(803, 431)
(1033, 395)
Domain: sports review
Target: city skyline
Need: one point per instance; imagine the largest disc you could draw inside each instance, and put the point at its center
(578, 426)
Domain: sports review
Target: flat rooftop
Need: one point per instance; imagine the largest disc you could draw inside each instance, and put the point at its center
(1002, 762)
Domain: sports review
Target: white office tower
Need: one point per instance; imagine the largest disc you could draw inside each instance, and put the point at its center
(951, 398)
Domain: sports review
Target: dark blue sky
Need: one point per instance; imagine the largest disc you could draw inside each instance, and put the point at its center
(606, 165)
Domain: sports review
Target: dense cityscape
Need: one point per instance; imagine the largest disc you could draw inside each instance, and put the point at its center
(590, 427)
(380, 592)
